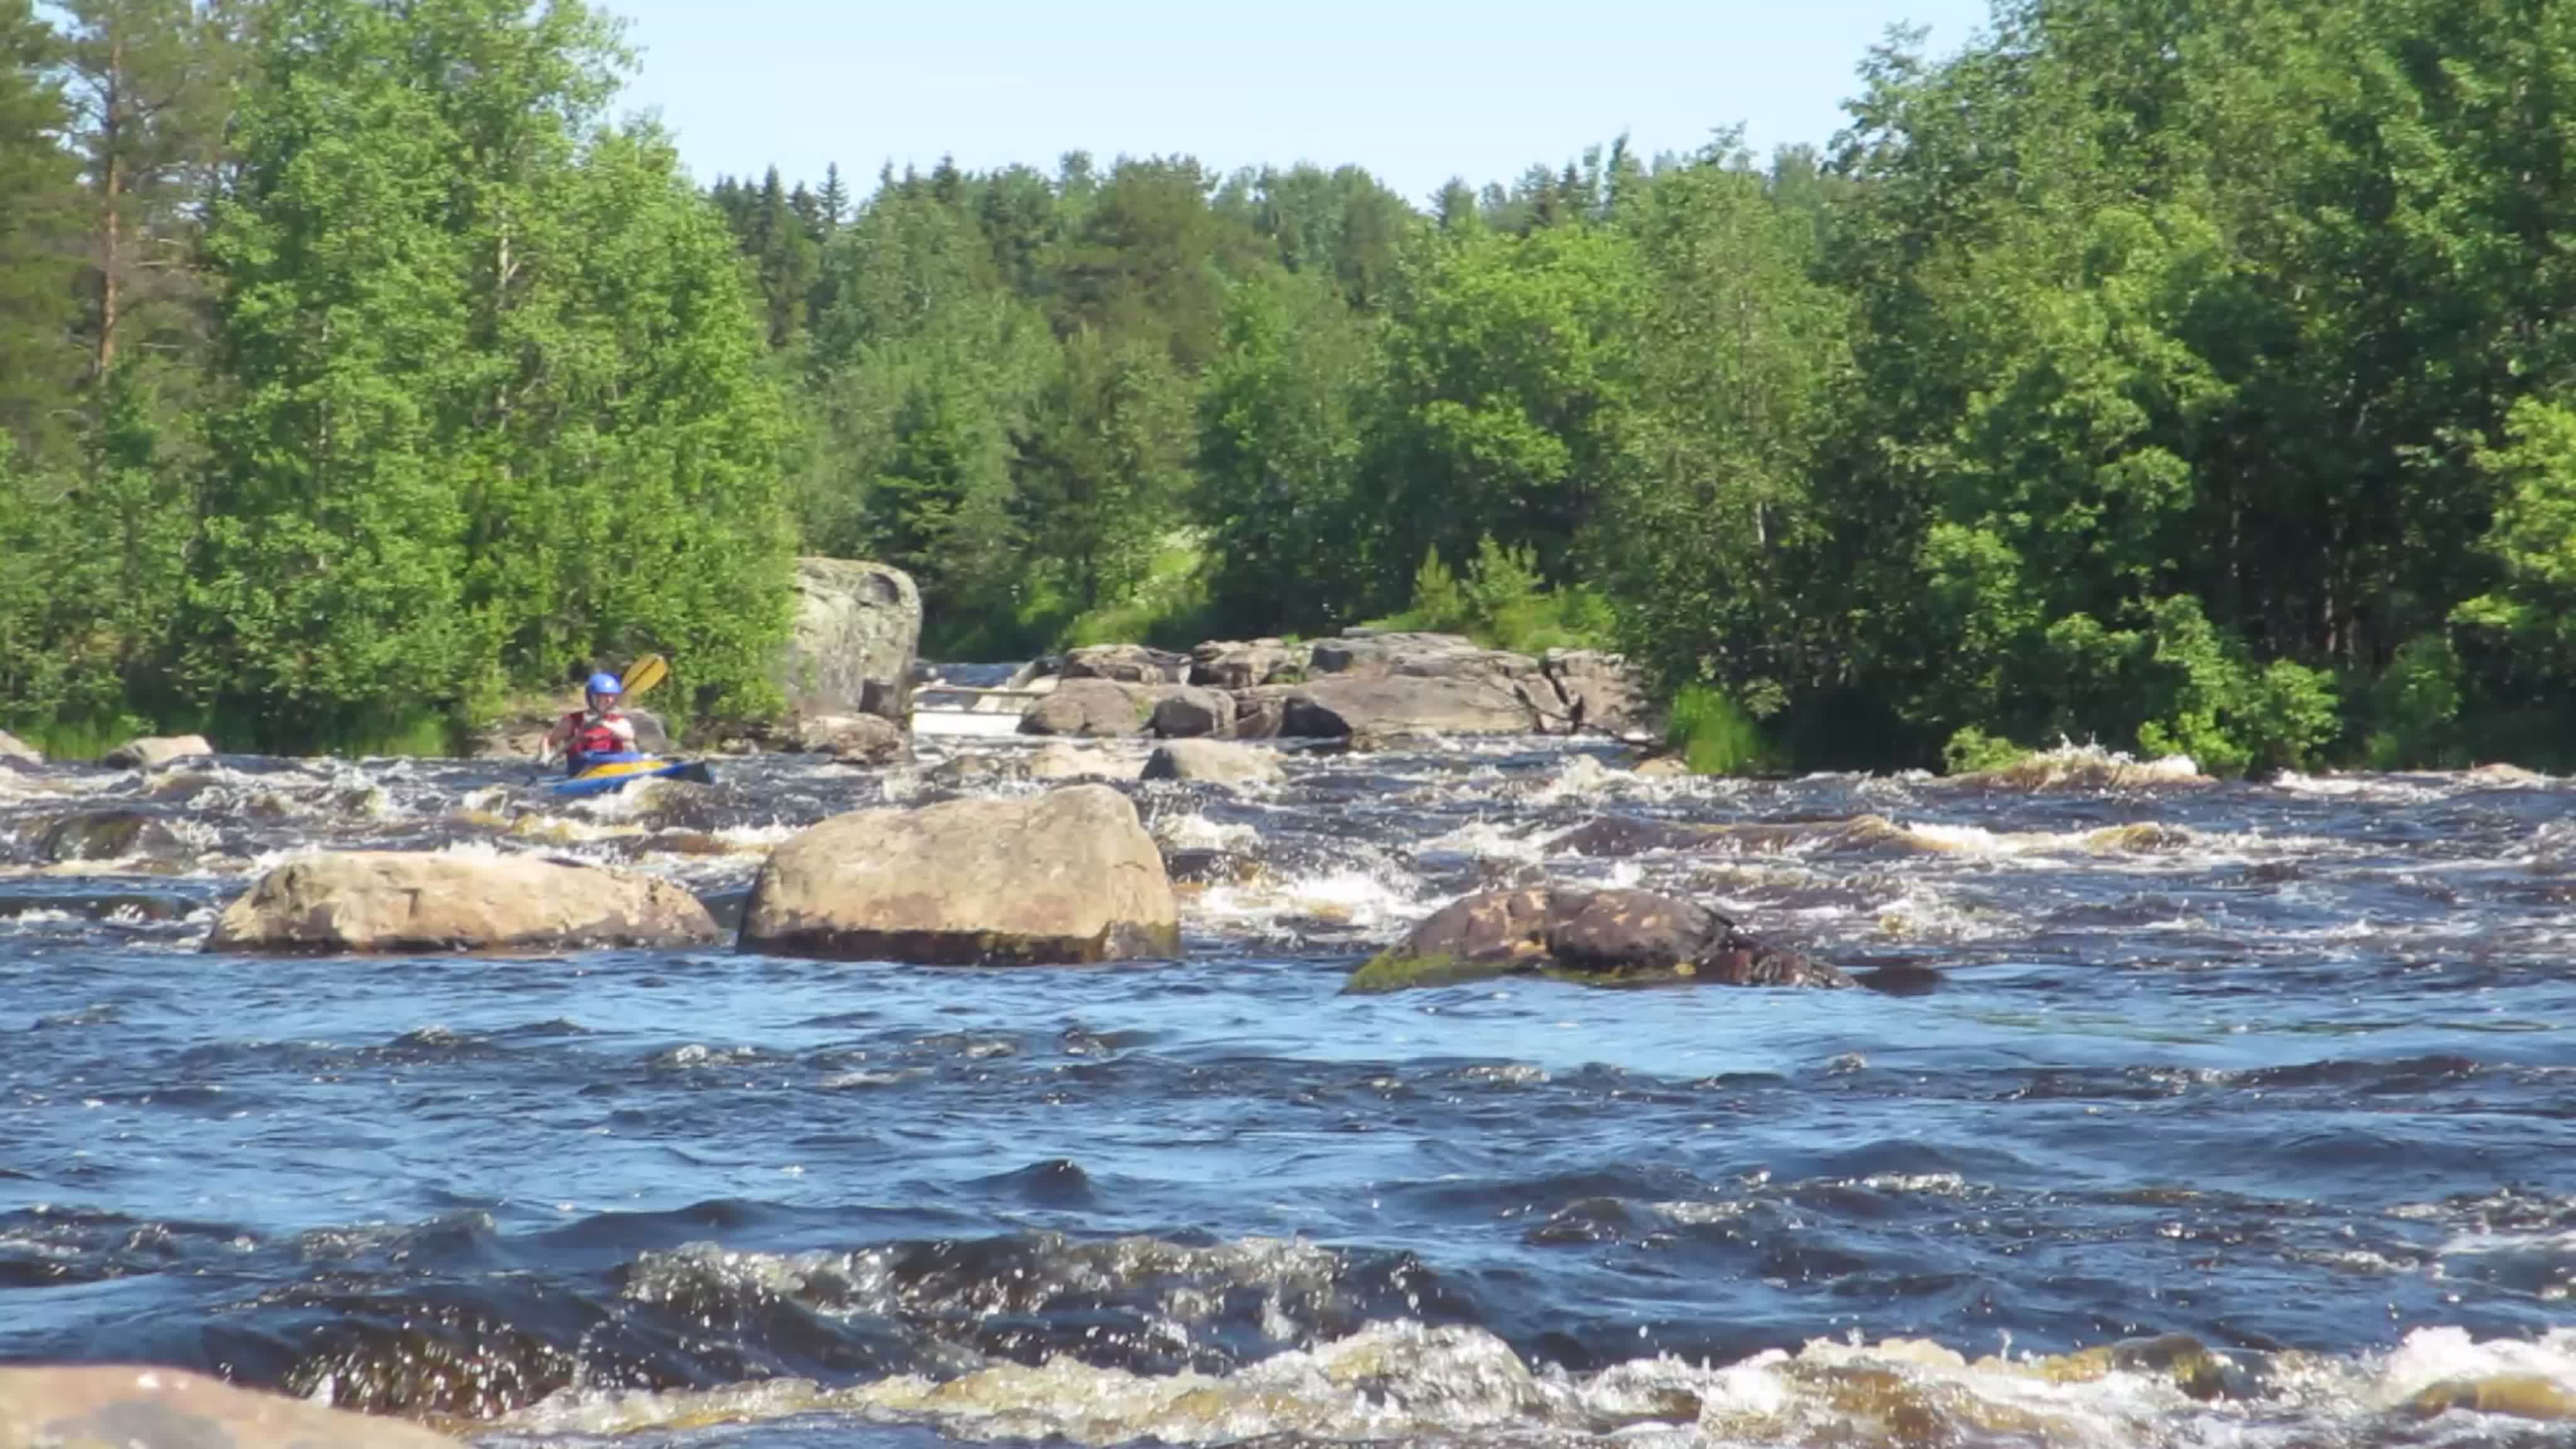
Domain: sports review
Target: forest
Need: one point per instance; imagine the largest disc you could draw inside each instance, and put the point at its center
(2182, 376)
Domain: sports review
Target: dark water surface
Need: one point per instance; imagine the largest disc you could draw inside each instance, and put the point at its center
(2241, 1115)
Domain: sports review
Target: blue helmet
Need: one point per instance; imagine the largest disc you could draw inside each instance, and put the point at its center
(604, 684)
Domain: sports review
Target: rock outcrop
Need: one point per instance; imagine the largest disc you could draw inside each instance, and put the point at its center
(154, 751)
(1213, 760)
(851, 648)
(1391, 704)
(1069, 876)
(1602, 936)
(1232, 664)
(14, 748)
(134, 1406)
(378, 901)
(1126, 663)
(1094, 707)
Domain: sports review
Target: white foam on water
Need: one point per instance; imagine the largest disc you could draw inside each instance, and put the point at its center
(1491, 840)
(1461, 1385)
(1190, 830)
(1354, 898)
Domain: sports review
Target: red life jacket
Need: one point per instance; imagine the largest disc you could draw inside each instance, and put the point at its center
(592, 737)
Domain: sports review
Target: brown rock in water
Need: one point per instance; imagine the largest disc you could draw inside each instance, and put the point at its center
(1216, 760)
(131, 1406)
(154, 751)
(1608, 936)
(1068, 876)
(14, 748)
(1187, 712)
(854, 739)
(1093, 707)
(1061, 761)
(388, 900)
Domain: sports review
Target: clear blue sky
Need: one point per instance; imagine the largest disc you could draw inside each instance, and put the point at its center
(1414, 90)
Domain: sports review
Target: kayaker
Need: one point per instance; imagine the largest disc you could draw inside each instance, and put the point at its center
(593, 735)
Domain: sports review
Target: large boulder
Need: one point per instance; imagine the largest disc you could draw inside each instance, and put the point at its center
(850, 652)
(1126, 663)
(133, 1406)
(1070, 875)
(854, 739)
(93, 835)
(1605, 936)
(154, 751)
(1346, 705)
(1187, 712)
(1214, 760)
(1096, 707)
(14, 748)
(421, 901)
(1231, 664)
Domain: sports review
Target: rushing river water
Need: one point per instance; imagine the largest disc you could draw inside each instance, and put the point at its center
(2241, 1115)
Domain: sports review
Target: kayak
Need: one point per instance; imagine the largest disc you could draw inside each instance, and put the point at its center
(618, 774)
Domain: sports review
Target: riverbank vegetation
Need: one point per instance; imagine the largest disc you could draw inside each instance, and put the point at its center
(2185, 378)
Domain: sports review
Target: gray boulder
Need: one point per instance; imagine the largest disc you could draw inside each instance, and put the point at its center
(1215, 760)
(388, 900)
(1187, 712)
(851, 648)
(154, 751)
(1601, 936)
(1068, 876)
(1096, 707)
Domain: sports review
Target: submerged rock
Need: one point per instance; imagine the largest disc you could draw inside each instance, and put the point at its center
(1069, 876)
(421, 901)
(2086, 767)
(138, 1407)
(109, 835)
(1215, 760)
(154, 751)
(1095, 707)
(1605, 936)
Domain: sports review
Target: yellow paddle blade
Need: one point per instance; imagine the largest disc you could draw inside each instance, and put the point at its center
(644, 673)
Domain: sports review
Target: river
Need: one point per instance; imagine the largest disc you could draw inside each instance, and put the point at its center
(2238, 1115)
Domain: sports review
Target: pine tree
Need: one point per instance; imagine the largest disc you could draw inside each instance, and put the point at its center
(37, 358)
